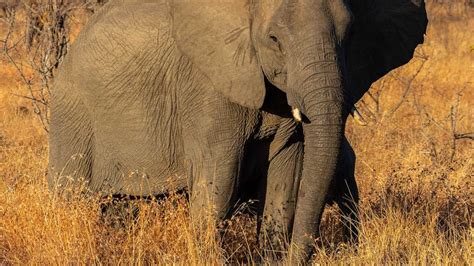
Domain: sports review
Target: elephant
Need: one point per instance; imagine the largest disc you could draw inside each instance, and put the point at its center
(227, 100)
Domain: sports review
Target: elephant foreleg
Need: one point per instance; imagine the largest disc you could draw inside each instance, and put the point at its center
(280, 193)
(214, 182)
(214, 139)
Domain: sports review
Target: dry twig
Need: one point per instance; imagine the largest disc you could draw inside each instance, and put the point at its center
(44, 43)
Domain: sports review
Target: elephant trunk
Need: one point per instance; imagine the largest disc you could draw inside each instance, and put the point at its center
(322, 103)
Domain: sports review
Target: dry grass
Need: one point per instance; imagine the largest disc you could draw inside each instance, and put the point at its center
(417, 194)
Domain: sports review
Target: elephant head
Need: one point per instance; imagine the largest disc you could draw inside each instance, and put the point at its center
(324, 54)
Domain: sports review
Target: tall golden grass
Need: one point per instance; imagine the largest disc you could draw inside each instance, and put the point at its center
(416, 179)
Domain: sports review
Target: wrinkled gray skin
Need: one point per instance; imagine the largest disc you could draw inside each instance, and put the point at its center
(162, 95)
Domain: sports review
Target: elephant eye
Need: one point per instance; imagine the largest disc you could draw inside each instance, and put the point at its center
(273, 38)
(275, 42)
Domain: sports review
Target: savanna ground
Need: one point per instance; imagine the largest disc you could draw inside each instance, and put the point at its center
(414, 169)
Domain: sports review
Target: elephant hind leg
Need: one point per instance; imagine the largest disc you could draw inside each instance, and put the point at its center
(347, 193)
(71, 146)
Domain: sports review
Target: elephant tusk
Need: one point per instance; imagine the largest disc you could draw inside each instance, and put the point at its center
(358, 118)
(297, 115)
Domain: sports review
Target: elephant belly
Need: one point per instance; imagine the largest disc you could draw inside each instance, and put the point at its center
(138, 155)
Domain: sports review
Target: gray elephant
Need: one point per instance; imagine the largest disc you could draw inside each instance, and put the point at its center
(227, 99)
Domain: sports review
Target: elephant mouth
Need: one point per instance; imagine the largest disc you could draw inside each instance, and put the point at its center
(277, 76)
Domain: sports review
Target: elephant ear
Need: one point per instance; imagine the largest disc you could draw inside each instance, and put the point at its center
(216, 38)
(383, 37)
